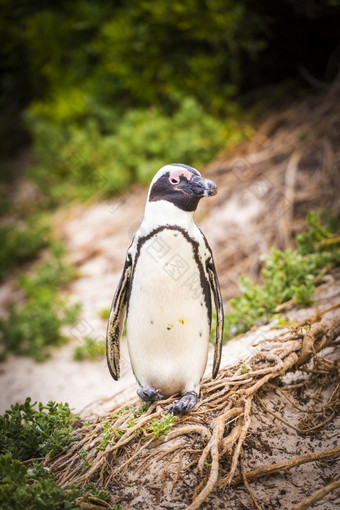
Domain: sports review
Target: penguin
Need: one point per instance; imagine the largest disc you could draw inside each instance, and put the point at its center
(165, 293)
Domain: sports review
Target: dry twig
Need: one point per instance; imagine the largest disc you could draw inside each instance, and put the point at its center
(246, 484)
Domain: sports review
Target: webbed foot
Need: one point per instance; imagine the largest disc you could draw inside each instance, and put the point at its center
(184, 404)
(149, 394)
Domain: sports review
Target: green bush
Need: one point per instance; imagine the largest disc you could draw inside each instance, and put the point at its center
(34, 327)
(90, 349)
(140, 85)
(103, 157)
(35, 488)
(162, 427)
(287, 275)
(32, 489)
(27, 432)
(135, 53)
(21, 244)
(49, 276)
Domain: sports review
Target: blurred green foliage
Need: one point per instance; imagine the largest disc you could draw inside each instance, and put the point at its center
(83, 160)
(113, 87)
(20, 244)
(116, 90)
(104, 313)
(132, 53)
(34, 327)
(90, 349)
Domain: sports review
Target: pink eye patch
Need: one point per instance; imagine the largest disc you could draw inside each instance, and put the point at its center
(178, 173)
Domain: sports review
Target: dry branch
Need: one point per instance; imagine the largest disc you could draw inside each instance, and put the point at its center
(317, 495)
(259, 472)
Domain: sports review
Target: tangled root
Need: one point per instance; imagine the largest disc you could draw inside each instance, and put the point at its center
(215, 431)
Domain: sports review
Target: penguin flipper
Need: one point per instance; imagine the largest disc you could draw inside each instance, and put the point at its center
(215, 287)
(116, 320)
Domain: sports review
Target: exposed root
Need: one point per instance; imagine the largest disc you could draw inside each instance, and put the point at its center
(214, 435)
(277, 416)
(159, 455)
(246, 484)
(213, 476)
(230, 440)
(133, 457)
(317, 495)
(190, 429)
(243, 433)
(229, 414)
(257, 473)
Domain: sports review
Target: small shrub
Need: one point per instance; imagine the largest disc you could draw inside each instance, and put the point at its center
(21, 244)
(90, 349)
(83, 454)
(109, 435)
(142, 409)
(50, 275)
(162, 427)
(33, 488)
(93, 492)
(34, 328)
(244, 369)
(27, 432)
(287, 275)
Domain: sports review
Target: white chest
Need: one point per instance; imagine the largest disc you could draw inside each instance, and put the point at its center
(168, 313)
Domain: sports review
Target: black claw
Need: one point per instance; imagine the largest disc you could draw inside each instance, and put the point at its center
(184, 404)
(149, 394)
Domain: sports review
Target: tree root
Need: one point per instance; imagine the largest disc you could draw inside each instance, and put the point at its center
(259, 472)
(317, 495)
(213, 435)
(243, 433)
(246, 484)
(213, 476)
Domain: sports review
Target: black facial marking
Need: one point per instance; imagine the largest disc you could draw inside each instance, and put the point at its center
(162, 189)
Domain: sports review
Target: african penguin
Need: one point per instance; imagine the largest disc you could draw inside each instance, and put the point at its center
(165, 293)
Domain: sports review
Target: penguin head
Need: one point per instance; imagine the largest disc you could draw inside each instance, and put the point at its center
(181, 185)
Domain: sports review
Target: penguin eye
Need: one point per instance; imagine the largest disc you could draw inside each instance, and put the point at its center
(174, 180)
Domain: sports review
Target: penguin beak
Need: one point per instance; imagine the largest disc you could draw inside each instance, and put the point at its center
(201, 187)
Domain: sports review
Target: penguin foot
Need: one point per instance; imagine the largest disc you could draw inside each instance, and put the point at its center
(184, 404)
(149, 394)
